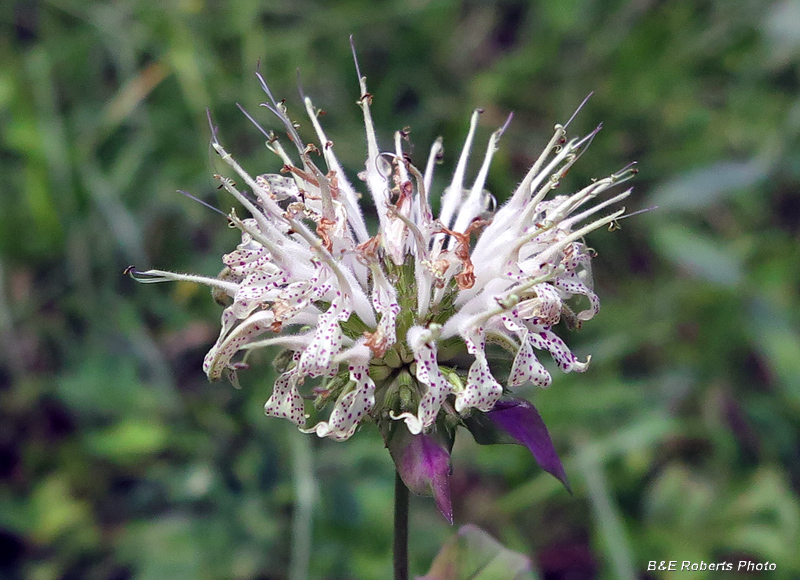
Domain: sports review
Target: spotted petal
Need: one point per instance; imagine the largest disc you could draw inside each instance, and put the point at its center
(429, 375)
(482, 390)
(546, 339)
(285, 401)
(350, 408)
(219, 357)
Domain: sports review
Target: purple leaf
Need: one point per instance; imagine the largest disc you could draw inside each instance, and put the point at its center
(423, 462)
(520, 419)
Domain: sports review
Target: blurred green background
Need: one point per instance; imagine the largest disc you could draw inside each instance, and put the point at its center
(118, 460)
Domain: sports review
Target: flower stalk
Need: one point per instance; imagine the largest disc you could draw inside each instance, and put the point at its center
(400, 546)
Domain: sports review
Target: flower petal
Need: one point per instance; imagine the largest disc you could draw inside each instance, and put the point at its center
(248, 255)
(384, 301)
(350, 408)
(545, 308)
(228, 345)
(481, 390)
(316, 359)
(428, 373)
(546, 339)
(572, 284)
(527, 368)
(285, 401)
(254, 289)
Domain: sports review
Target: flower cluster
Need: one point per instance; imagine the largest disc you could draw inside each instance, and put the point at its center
(388, 320)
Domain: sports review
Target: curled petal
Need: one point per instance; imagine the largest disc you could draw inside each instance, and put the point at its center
(572, 284)
(547, 340)
(482, 390)
(350, 408)
(228, 345)
(317, 358)
(285, 401)
(545, 308)
(253, 291)
(248, 257)
(428, 373)
(527, 368)
(297, 296)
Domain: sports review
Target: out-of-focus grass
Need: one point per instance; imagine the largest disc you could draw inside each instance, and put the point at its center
(118, 460)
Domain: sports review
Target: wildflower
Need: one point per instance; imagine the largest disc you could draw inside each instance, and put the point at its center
(384, 319)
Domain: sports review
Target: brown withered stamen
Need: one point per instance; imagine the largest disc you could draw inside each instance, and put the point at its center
(333, 183)
(303, 175)
(466, 278)
(368, 251)
(323, 227)
(377, 344)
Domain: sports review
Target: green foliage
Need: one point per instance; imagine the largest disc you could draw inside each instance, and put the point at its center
(474, 554)
(118, 460)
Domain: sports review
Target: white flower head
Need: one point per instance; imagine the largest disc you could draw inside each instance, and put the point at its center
(369, 310)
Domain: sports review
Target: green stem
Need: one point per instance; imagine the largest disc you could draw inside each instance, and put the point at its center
(400, 529)
(305, 489)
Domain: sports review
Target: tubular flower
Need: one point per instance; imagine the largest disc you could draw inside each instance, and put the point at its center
(387, 316)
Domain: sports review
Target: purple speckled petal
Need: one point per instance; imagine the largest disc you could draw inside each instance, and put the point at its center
(520, 419)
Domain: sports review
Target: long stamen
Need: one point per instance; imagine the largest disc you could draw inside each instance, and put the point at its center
(155, 276)
(472, 205)
(376, 184)
(578, 110)
(201, 202)
(354, 214)
(278, 110)
(433, 159)
(524, 188)
(455, 191)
